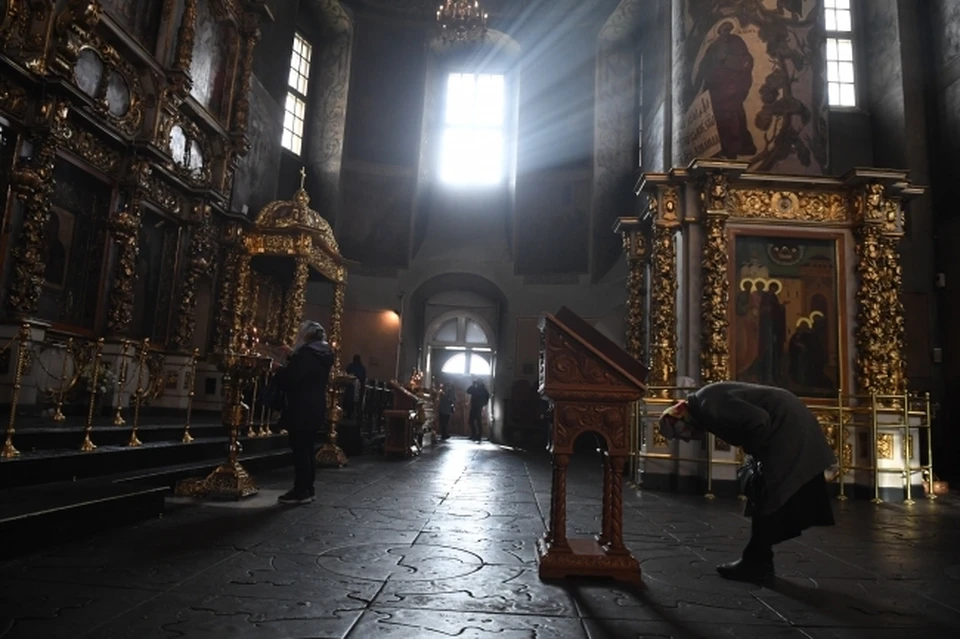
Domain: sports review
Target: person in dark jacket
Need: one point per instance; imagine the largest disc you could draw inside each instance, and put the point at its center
(353, 399)
(303, 381)
(479, 396)
(446, 404)
(777, 430)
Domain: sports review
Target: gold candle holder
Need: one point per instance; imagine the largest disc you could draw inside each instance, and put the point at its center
(187, 437)
(88, 444)
(264, 426)
(58, 415)
(134, 440)
(121, 381)
(251, 431)
(9, 450)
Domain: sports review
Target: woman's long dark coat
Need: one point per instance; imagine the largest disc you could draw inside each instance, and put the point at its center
(773, 426)
(304, 383)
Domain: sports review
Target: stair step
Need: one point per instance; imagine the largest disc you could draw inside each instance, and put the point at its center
(35, 516)
(46, 466)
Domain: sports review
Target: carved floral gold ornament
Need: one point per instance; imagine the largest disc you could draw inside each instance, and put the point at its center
(763, 204)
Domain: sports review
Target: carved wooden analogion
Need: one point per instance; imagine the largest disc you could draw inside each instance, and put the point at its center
(401, 421)
(592, 383)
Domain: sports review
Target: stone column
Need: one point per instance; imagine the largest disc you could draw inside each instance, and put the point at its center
(637, 254)
(325, 150)
(749, 84)
(615, 143)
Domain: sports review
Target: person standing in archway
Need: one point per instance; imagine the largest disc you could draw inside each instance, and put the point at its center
(479, 396)
(445, 406)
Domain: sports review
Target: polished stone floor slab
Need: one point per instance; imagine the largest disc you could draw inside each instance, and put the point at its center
(443, 546)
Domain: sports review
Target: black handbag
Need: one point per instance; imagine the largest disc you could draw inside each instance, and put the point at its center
(752, 483)
(273, 396)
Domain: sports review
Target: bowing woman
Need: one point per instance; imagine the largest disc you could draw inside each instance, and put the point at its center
(788, 450)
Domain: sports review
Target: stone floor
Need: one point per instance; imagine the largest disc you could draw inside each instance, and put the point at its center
(442, 546)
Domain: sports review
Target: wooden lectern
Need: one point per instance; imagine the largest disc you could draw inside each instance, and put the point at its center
(592, 383)
(400, 421)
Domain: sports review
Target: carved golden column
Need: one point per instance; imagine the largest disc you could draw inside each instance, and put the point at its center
(296, 300)
(893, 302)
(250, 36)
(199, 262)
(32, 182)
(879, 336)
(233, 298)
(714, 342)
(124, 227)
(663, 289)
(331, 455)
(183, 56)
(336, 320)
(241, 299)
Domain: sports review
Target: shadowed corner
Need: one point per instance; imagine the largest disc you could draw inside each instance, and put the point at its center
(847, 609)
(640, 596)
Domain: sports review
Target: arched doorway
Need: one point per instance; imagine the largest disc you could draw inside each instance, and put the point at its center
(461, 348)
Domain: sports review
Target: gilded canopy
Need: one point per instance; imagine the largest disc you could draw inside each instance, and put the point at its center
(292, 228)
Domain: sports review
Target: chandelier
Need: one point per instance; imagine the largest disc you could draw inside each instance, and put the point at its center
(461, 20)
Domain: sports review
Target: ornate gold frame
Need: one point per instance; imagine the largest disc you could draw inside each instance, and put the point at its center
(869, 203)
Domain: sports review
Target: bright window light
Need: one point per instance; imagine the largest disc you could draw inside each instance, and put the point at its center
(472, 148)
(297, 84)
(841, 88)
(457, 365)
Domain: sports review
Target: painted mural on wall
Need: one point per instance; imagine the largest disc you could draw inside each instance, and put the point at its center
(785, 315)
(212, 52)
(141, 19)
(374, 228)
(552, 226)
(752, 85)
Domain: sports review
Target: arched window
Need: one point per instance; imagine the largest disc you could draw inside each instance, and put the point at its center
(474, 334)
(457, 365)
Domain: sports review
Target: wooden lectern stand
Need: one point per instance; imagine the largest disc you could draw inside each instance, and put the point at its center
(592, 383)
(400, 420)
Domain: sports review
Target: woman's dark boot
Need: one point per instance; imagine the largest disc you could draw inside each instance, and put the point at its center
(751, 570)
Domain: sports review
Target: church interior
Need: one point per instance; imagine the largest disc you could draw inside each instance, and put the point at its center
(527, 228)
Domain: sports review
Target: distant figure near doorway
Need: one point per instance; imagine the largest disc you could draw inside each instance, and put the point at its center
(353, 400)
(446, 404)
(479, 396)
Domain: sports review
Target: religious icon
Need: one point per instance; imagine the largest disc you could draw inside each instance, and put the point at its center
(57, 236)
(726, 72)
(785, 313)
